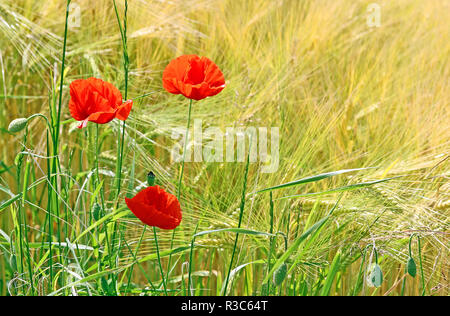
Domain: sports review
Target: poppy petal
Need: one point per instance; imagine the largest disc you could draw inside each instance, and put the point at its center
(96, 101)
(193, 76)
(101, 117)
(124, 110)
(78, 97)
(107, 91)
(199, 91)
(170, 84)
(195, 73)
(155, 207)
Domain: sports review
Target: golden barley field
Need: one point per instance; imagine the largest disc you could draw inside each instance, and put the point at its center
(359, 94)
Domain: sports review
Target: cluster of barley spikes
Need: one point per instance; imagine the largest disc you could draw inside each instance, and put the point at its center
(344, 95)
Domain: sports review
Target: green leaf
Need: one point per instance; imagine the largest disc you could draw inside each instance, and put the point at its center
(96, 192)
(87, 279)
(311, 179)
(313, 230)
(265, 289)
(294, 247)
(107, 286)
(235, 271)
(46, 245)
(5, 167)
(411, 267)
(10, 201)
(340, 189)
(334, 268)
(234, 230)
(5, 236)
(165, 253)
(6, 190)
(132, 175)
(114, 215)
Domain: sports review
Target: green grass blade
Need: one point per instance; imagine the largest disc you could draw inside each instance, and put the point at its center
(297, 243)
(340, 189)
(311, 179)
(334, 268)
(166, 253)
(10, 201)
(234, 230)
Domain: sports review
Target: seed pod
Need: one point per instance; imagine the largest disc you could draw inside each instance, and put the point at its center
(17, 125)
(411, 267)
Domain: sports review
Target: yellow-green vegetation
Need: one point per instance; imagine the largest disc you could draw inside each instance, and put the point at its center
(344, 95)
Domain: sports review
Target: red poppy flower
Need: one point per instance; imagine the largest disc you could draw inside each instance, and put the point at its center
(155, 207)
(194, 77)
(94, 100)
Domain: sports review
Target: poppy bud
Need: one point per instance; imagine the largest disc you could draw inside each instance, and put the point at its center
(411, 267)
(17, 125)
(13, 262)
(96, 211)
(151, 178)
(280, 275)
(375, 276)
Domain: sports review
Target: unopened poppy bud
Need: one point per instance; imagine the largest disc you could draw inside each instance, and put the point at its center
(151, 178)
(280, 275)
(374, 275)
(13, 262)
(17, 125)
(96, 211)
(411, 267)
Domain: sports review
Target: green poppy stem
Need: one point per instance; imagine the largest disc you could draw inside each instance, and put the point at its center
(420, 259)
(53, 164)
(241, 215)
(121, 135)
(191, 260)
(271, 243)
(180, 181)
(58, 121)
(159, 261)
